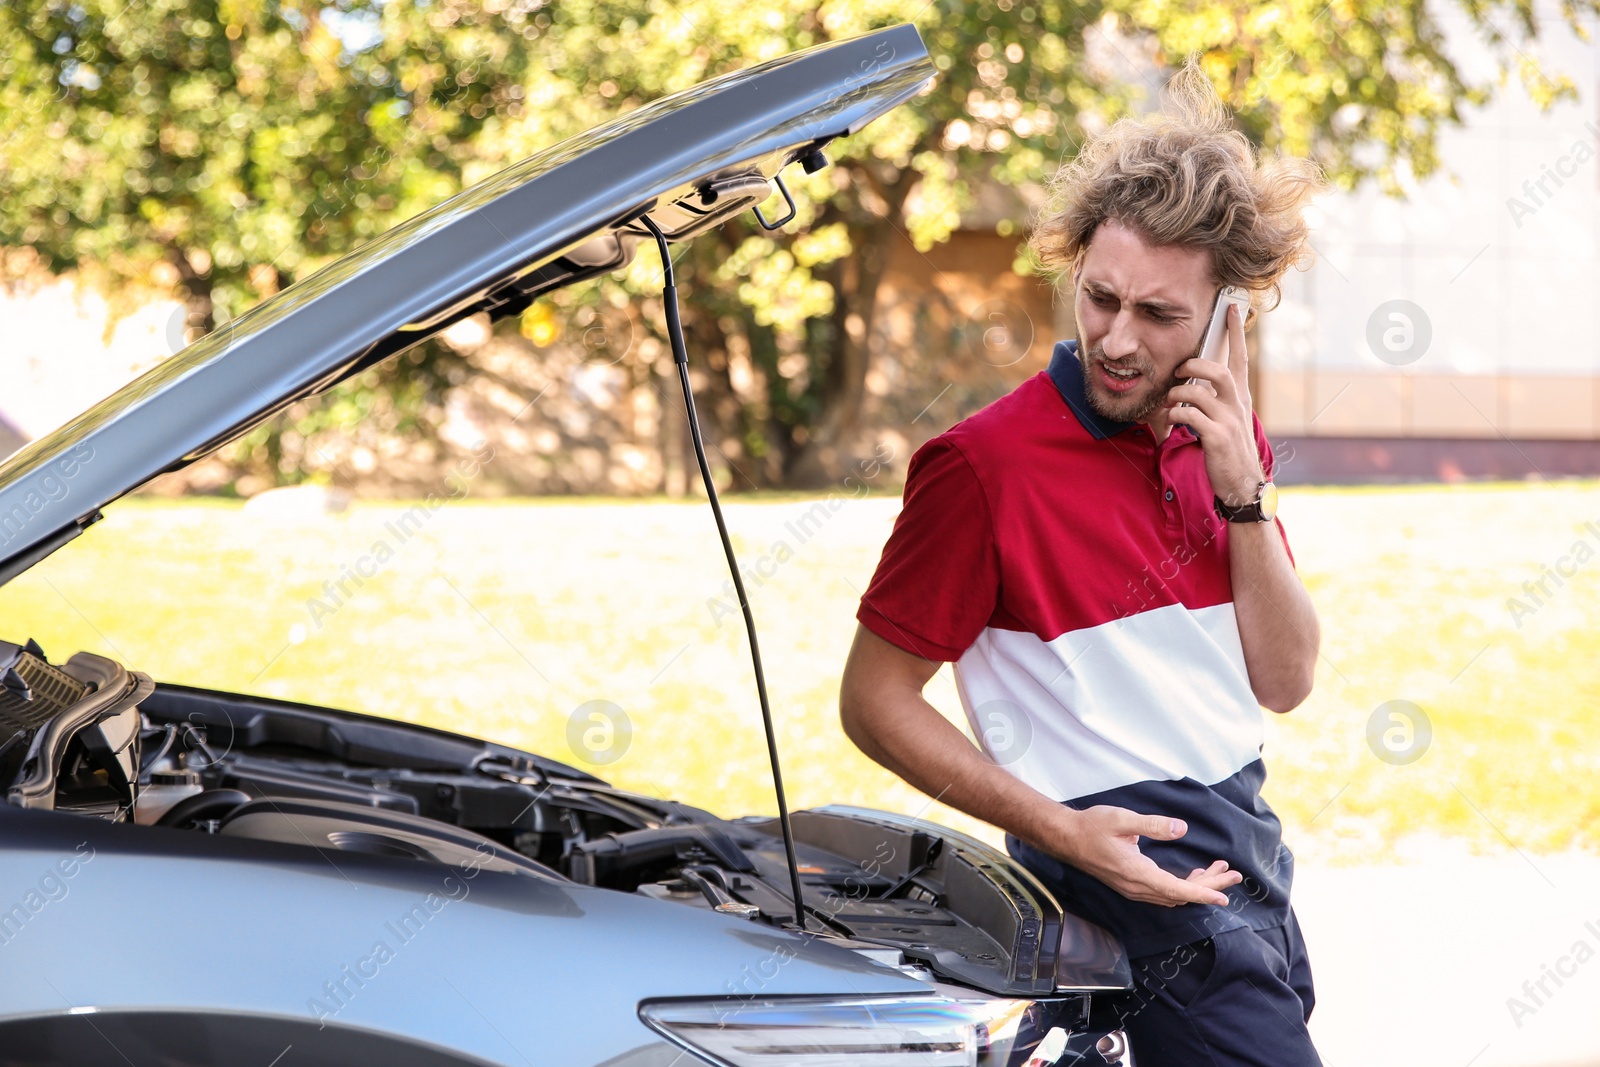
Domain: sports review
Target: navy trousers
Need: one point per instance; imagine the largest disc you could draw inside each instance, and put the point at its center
(1238, 999)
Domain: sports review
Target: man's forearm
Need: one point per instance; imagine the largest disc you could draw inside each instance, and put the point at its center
(911, 739)
(1277, 622)
(883, 711)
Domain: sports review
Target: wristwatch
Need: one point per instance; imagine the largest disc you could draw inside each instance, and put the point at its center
(1261, 509)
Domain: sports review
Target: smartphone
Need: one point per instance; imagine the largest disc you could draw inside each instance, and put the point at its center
(1217, 329)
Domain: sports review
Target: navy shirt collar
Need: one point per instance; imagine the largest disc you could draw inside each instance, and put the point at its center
(1067, 373)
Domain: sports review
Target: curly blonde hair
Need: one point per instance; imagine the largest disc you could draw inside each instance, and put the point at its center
(1184, 177)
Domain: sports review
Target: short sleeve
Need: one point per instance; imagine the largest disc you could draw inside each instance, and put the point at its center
(1269, 463)
(938, 580)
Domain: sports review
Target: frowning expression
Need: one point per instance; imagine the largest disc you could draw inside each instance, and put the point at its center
(1141, 311)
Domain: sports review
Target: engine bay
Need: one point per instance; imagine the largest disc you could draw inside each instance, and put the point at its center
(90, 738)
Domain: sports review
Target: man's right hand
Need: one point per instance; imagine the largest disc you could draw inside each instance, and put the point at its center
(883, 711)
(1103, 841)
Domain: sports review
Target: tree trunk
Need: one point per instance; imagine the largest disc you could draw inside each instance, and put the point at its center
(200, 312)
(828, 454)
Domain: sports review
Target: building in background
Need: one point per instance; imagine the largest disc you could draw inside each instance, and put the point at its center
(1455, 334)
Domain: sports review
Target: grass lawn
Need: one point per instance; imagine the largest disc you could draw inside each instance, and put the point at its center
(502, 618)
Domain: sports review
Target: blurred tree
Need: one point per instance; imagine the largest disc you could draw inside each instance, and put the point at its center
(227, 147)
(1363, 86)
(798, 309)
(232, 145)
(220, 149)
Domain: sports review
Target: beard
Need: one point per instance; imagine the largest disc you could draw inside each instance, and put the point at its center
(1137, 404)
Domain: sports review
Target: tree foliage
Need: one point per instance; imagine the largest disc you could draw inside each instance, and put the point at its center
(224, 148)
(232, 145)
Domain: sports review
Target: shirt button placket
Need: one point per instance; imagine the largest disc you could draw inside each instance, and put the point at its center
(1171, 513)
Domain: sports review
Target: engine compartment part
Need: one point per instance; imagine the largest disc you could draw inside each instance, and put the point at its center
(85, 757)
(1005, 919)
(32, 692)
(905, 893)
(203, 811)
(166, 789)
(644, 855)
(373, 831)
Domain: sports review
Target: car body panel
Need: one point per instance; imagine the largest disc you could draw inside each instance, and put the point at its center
(417, 951)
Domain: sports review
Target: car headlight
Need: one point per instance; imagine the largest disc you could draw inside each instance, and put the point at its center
(923, 1031)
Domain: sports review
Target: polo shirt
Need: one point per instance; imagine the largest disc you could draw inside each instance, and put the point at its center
(1074, 572)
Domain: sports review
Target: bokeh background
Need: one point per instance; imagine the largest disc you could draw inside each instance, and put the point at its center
(1430, 383)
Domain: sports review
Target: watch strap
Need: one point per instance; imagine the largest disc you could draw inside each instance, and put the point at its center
(1250, 512)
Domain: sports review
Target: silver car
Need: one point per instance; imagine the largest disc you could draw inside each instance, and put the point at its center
(197, 877)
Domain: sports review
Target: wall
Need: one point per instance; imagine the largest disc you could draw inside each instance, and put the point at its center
(1465, 313)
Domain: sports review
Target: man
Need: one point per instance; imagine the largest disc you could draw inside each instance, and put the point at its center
(1097, 554)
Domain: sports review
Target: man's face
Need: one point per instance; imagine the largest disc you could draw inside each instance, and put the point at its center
(1142, 310)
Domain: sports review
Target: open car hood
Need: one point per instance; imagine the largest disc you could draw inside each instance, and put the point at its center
(691, 160)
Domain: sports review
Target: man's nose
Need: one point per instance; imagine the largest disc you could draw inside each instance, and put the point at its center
(1121, 339)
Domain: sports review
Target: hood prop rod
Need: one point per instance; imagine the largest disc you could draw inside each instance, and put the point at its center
(680, 356)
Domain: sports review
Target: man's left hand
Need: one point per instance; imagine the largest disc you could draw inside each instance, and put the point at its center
(1222, 420)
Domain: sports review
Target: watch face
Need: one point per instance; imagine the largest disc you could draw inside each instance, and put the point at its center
(1269, 501)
